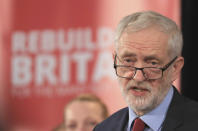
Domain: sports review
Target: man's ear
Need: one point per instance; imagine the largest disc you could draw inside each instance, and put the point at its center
(177, 67)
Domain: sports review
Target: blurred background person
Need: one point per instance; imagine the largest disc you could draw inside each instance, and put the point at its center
(83, 112)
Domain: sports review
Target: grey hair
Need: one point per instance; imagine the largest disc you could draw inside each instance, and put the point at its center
(141, 20)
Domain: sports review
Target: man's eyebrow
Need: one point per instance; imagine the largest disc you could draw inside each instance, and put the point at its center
(127, 54)
(152, 58)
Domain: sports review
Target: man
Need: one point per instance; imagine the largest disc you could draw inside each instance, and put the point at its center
(147, 60)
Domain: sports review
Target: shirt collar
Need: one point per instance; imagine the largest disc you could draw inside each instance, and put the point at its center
(154, 119)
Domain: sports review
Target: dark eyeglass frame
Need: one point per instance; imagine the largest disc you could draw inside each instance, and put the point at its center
(142, 69)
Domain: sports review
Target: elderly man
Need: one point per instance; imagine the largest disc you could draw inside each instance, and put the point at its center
(147, 59)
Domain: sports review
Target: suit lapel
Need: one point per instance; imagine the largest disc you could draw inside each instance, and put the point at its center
(174, 117)
(121, 124)
(116, 122)
(171, 124)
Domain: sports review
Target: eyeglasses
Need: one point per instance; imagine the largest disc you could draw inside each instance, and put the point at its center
(150, 73)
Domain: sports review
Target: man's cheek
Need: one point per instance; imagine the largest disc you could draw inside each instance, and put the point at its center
(123, 82)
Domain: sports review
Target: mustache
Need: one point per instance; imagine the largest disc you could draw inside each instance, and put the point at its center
(140, 85)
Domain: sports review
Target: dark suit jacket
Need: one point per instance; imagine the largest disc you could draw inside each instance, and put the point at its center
(182, 115)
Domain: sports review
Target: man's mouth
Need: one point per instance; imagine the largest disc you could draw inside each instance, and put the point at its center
(138, 91)
(139, 88)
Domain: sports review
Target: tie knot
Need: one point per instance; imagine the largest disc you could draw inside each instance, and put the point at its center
(138, 125)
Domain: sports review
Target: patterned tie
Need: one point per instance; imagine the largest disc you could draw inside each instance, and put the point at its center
(138, 125)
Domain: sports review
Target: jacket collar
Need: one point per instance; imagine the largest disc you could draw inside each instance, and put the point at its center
(174, 117)
(123, 122)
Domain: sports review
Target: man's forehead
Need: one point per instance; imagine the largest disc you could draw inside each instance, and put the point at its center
(140, 45)
(147, 38)
(146, 55)
(126, 52)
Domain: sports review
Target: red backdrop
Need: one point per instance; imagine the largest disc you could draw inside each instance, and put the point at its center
(51, 51)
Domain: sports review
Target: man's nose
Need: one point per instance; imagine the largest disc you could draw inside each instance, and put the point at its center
(139, 76)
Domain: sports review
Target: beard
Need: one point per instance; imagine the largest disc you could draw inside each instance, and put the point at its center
(152, 98)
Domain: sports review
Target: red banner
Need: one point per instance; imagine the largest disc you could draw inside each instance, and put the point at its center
(53, 50)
